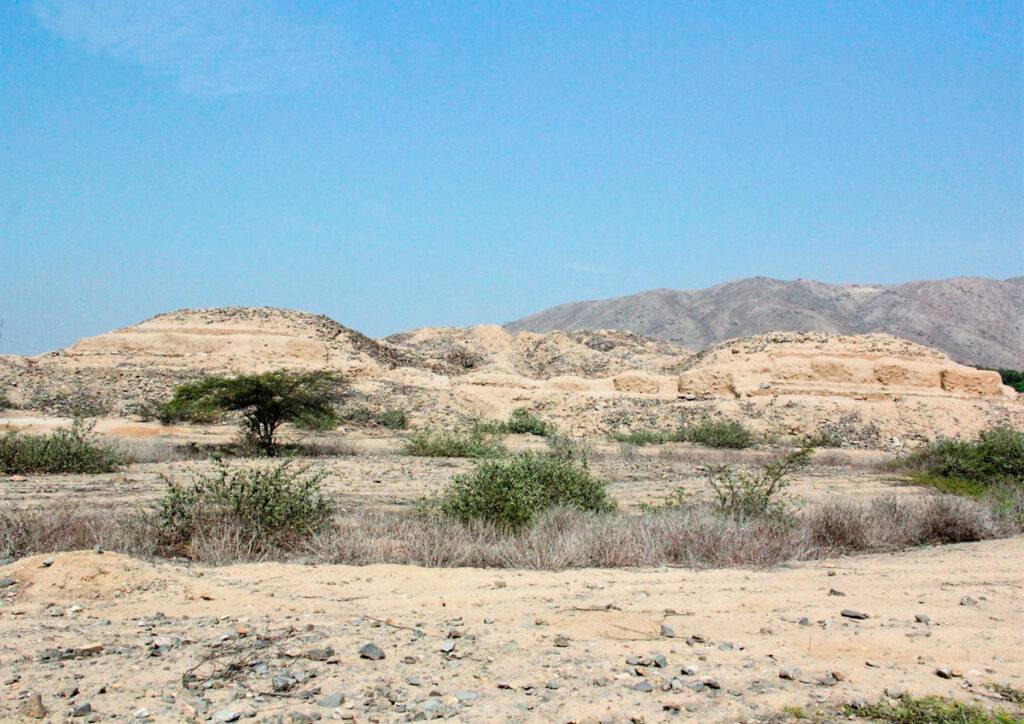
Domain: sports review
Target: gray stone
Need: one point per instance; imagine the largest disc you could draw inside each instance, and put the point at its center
(644, 686)
(332, 701)
(319, 654)
(226, 715)
(856, 615)
(6, 582)
(667, 631)
(33, 707)
(82, 710)
(922, 618)
(968, 601)
(281, 683)
(447, 646)
(372, 651)
(660, 661)
(789, 673)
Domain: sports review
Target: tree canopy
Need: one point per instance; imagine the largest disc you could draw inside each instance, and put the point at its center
(265, 401)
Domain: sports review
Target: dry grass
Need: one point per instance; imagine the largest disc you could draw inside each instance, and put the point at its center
(560, 538)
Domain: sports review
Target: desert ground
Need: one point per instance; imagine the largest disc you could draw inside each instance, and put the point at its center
(95, 635)
(99, 635)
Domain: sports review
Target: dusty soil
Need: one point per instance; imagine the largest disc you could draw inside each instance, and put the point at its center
(105, 636)
(483, 646)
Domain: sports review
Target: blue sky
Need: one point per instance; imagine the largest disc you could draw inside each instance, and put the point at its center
(401, 164)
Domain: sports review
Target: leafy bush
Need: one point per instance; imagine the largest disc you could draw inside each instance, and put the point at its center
(65, 450)
(279, 504)
(713, 433)
(523, 422)
(508, 493)
(642, 437)
(996, 457)
(459, 444)
(5, 403)
(716, 433)
(756, 493)
(317, 421)
(391, 418)
(932, 710)
(265, 401)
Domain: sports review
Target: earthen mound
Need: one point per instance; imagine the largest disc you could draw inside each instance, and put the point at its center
(863, 366)
(587, 354)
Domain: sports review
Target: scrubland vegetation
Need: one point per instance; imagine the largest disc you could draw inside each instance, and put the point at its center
(65, 450)
(534, 509)
(706, 431)
(544, 510)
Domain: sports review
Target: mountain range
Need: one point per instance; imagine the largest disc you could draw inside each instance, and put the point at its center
(975, 321)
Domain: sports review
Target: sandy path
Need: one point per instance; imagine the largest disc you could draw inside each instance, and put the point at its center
(507, 625)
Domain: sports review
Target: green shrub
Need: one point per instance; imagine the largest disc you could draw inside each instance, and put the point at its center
(756, 493)
(459, 444)
(317, 421)
(508, 493)
(642, 437)
(716, 433)
(279, 504)
(391, 418)
(65, 450)
(523, 422)
(5, 403)
(932, 710)
(995, 457)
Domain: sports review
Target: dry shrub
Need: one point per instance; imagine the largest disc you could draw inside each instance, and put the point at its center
(556, 539)
(951, 519)
(68, 528)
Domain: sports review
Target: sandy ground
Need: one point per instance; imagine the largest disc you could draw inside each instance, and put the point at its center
(489, 645)
(110, 637)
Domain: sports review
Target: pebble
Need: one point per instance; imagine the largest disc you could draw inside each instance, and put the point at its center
(332, 701)
(372, 651)
(856, 615)
(33, 707)
(82, 710)
(225, 715)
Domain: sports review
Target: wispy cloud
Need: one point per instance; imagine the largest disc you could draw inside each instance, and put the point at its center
(210, 47)
(589, 268)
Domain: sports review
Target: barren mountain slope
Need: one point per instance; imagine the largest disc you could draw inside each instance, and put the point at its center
(975, 321)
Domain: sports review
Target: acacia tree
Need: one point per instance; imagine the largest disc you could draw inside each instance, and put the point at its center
(265, 401)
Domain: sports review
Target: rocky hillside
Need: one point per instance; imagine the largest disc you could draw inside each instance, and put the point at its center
(869, 390)
(975, 321)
